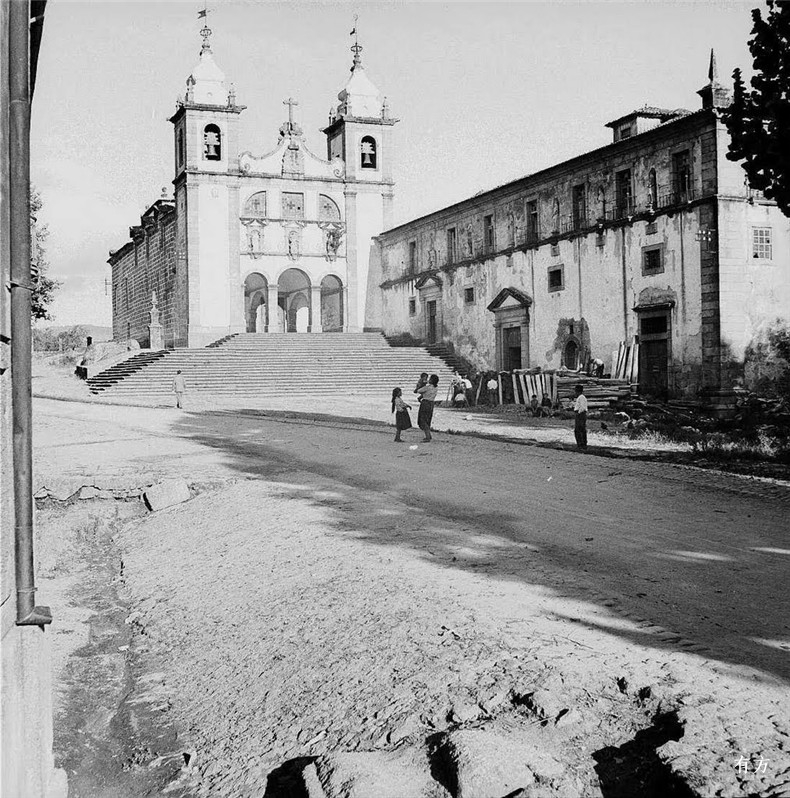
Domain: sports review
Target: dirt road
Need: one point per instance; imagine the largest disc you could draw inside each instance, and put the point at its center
(628, 567)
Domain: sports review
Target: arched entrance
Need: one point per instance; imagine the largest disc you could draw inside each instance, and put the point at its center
(255, 290)
(570, 358)
(293, 298)
(331, 304)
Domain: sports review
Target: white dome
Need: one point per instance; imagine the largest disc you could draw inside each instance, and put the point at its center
(208, 81)
(360, 97)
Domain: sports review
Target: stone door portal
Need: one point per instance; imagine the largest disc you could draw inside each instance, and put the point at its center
(430, 308)
(654, 339)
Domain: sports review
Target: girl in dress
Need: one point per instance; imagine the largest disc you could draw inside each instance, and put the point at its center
(401, 410)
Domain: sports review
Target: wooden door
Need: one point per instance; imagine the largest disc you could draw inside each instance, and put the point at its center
(511, 348)
(430, 307)
(653, 372)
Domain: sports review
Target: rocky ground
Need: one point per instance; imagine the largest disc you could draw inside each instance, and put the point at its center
(302, 631)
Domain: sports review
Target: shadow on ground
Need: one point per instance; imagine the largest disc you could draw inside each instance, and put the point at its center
(646, 543)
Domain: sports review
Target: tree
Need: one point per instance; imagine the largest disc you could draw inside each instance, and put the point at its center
(43, 287)
(759, 118)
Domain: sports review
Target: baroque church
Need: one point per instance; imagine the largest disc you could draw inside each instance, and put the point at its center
(272, 242)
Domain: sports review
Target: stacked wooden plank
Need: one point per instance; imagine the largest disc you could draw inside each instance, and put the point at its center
(625, 362)
(600, 391)
(529, 383)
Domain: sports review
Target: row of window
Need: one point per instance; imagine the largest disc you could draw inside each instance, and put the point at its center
(292, 207)
(460, 245)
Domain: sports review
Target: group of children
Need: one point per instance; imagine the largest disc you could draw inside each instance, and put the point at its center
(426, 390)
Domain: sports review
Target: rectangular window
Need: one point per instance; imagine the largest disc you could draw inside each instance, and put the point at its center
(488, 232)
(532, 221)
(555, 250)
(452, 254)
(469, 296)
(293, 205)
(652, 260)
(412, 257)
(623, 193)
(626, 131)
(653, 325)
(412, 307)
(681, 176)
(579, 207)
(556, 278)
(761, 243)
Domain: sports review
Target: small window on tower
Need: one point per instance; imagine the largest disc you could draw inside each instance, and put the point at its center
(212, 143)
(369, 156)
(412, 307)
(180, 146)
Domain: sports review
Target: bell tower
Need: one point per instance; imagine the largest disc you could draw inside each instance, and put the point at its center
(206, 159)
(360, 133)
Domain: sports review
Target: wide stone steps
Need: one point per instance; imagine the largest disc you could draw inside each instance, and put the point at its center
(279, 364)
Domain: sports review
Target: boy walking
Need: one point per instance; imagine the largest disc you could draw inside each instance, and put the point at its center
(179, 388)
(580, 425)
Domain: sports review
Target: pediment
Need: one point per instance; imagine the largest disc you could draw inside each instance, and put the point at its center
(510, 298)
(427, 280)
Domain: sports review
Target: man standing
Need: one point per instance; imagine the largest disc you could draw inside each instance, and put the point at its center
(580, 426)
(179, 388)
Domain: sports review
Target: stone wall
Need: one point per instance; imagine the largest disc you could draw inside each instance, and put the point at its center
(601, 257)
(144, 265)
(27, 765)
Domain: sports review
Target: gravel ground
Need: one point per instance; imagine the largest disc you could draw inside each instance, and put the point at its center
(309, 610)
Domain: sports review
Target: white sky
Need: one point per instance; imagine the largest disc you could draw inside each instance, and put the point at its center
(486, 92)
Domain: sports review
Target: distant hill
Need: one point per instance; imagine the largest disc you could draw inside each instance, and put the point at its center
(98, 333)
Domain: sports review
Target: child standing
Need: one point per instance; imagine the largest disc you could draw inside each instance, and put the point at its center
(401, 410)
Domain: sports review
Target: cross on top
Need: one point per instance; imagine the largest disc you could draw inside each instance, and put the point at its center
(290, 102)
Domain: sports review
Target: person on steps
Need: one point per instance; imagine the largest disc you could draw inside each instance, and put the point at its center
(179, 388)
(427, 399)
(401, 410)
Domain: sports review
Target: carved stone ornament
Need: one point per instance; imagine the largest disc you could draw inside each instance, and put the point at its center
(334, 237)
(293, 242)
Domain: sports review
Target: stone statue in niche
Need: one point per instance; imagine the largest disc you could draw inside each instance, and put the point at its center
(334, 236)
(432, 254)
(555, 217)
(294, 245)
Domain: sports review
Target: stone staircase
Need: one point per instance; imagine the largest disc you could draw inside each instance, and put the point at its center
(277, 364)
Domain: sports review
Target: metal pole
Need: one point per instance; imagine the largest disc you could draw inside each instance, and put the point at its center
(27, 614)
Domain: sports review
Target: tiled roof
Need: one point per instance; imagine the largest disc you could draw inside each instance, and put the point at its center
(652, 112)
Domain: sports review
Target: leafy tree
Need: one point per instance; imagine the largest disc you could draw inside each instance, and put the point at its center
(43, 287)
(759, 118)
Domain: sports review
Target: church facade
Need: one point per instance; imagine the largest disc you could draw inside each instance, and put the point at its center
(276, 242)
(654, 238)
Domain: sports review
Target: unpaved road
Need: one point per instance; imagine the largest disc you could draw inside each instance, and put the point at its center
(667, 564)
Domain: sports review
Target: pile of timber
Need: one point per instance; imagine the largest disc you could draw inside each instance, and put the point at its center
(600, 391)
(625, 362)
(527, 383)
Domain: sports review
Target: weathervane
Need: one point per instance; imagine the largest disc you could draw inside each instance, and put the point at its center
(205, 31)
(356, 48)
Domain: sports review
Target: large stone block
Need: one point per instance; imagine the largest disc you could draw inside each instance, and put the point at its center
(364, 774)
(166, 493)
(485, 764)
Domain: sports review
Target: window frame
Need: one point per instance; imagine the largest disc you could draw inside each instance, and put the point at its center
(489, 234)
(469, 295)
(452, 244)
(532, 213)
(413, 257)
(285, 194)
(646, 252)
(764, 245)
(412, 306)
(554, 268)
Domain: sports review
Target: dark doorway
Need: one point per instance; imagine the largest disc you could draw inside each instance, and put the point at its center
(430, 308)
(511, 348)
(654, 354)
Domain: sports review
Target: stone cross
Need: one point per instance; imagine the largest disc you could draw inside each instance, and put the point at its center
(290, 102)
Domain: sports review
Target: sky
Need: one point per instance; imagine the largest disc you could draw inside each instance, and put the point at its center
(486, 92)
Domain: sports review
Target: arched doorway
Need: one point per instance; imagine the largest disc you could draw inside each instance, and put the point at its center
(255, 290)
(331, 304)
(293, 297)
(571, 356)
